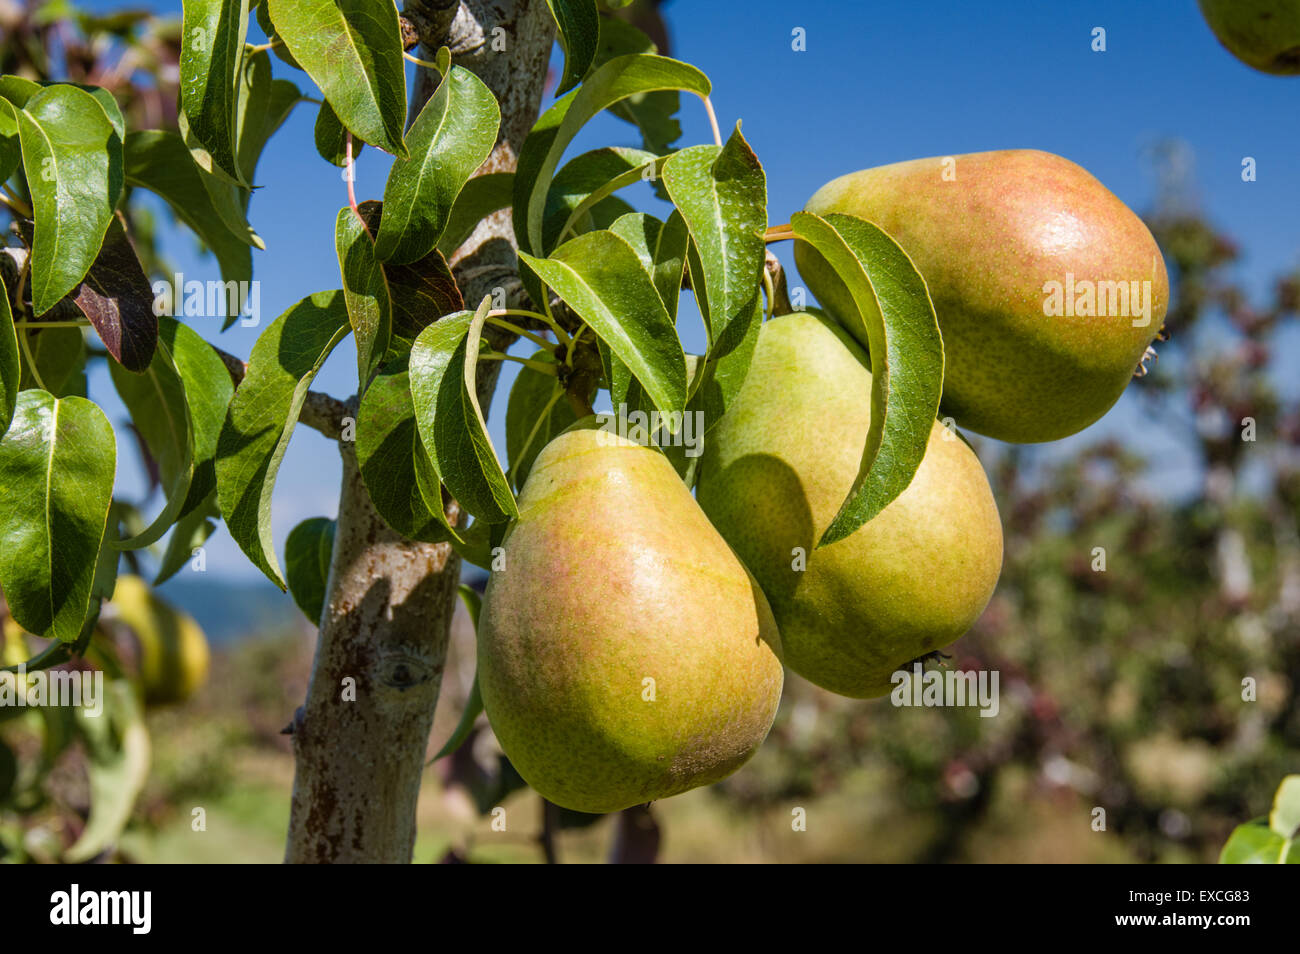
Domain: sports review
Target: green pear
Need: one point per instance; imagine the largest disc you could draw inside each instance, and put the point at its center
(775, 471)
(624, 653)
(1264, 34)
(1048, 289)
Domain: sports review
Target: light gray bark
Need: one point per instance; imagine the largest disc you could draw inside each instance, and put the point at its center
(389, 605)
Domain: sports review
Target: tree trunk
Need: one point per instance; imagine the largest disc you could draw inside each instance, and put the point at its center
(361, 737)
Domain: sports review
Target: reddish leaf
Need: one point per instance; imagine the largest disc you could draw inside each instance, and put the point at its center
(117, 298)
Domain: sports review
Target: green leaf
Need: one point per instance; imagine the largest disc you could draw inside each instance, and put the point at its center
(228, 197)
(896, 316)
(273, 37)
(60, 358)
(307, 555)
(535, 413)
(365, 289)
(722, 196)
(578, 30)
(395, 468)
(616, 80)
(119, 302)
(662, 250)
(452, 136)
(1253, 843)
(654, 114)
(10, 366)
(208, 390)
(481, 196)
(211, 64)
(1285, 816)
(474, 703)
(352, 49)
(332, 139)
(600, 276)
(584, 181)
(158, 161)
(190, 532)
(117, 749)
(161, 413)
(73, 161)
(450, 420)
(57, 463)
(261, 107)
(262, 416)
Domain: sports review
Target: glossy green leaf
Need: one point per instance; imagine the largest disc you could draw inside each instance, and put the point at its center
(535, 413)
(118, 300)
(394, 466)
(117, 750)
(481, 196)
(158, 161)
(352, 49)
(332, 139)
(10, 367)
(578, 30)
(263, 414)
(662, 249)
(273, 36)
(262, 105)
(57, 464)
(449, 419)
(722, 196)
(365, 290)
(190, 533)
(584, 181)
(1254, 843)
(454, 132)
(60, 361)
(73, 160)
(307, 555)
(208, 390)
(616, 80)
(161, 414)
(600, 276)
(211, 64)
(654, 113)
(896, 316)
(1285, 816)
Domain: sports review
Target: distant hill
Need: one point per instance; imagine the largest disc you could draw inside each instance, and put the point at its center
(231, 610)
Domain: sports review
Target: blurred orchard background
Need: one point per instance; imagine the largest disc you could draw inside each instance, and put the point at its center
(1121, 688)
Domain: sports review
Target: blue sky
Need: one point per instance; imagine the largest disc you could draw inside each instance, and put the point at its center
(877, 83)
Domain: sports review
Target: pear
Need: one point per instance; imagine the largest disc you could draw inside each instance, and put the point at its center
(1264, 34)
(624, 653)
(775, 471)
(1048, 289)
(173, 652)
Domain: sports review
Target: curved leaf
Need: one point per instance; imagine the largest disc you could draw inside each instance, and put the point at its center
(57, 463)
(394, 466)
(722, 196)
(535, 413)
(896, 316)
(616, 80)
(578, 26)
(365, 290)
(449, 419)
(73, 160)
(119, 302)
(454, 132)
(481, 196)
(332, 139)
(211, 63)
(160, 412)
(352, 49)
(208, 390)
(584, 181)
(662, 249)
(261, 107)
(262, 416)
(1254, 843)
(10, 367)
(1285, 816)
(117, 748)
(158, 161)
(190, 532)
(600, 276)
(307, 555)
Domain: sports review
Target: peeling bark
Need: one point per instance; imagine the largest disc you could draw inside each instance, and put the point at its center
(387, 616)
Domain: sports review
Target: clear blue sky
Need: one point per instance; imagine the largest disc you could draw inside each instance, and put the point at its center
(878, 83)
